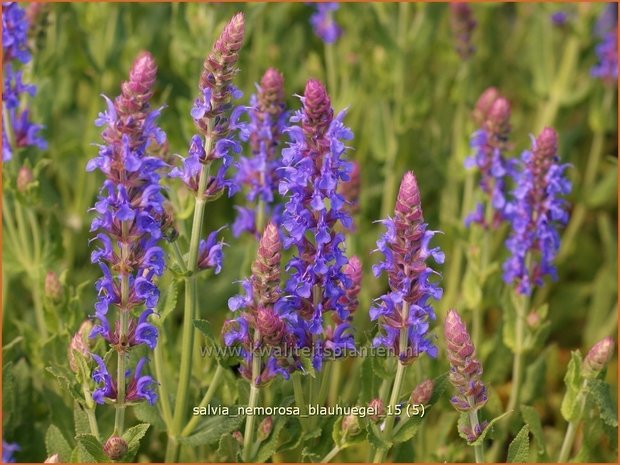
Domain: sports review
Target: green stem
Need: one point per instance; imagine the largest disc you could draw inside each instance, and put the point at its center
(189, 312)
(299, 398)
(403, 344)
(119, 419)
(163, 383)
(215, 382)
(569, 437)
(517, 368)
(479, 449)
(248, 437)
(330, 64)
(90, 411)
(331, 454)
(178, 256)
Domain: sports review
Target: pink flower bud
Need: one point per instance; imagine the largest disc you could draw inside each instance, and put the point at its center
(422, 392)
(115, 447)
(53, 288)
(378, 406)
(599, 356)
(264, 428)
(24, 178)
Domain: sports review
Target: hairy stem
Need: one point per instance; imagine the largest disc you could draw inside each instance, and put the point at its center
(248, 437)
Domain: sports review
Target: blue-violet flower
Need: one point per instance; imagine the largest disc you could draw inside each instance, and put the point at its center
(535, 213)
(323, 23)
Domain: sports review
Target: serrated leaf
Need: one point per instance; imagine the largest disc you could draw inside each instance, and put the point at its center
(532, 419)
(570, 403)
(55, 443)
(601, 393)
(133, 436)
(92, 446)
(147, 413)
(80, 419)
(170, 301)
(270, 446)
(479, 440)
(212, 429)
(65, 383)
(222, 356)
(307, 367)
(375, 438)
(519, 448)
(228, 449)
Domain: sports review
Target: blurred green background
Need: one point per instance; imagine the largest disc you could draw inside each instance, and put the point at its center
(410, 98)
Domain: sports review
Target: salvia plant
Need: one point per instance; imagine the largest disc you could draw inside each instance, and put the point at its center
(309, 232)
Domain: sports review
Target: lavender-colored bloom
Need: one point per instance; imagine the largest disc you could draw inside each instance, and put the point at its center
(213, 117)
(260, 173)
(607, 50)
(210, 253)
(313, 168)
(405, 247)
(463, 25)
(8, 449)
(559, 18)
(535, 213)
(350, 190)
(18, 131)
(465, 371)
(489, 143)
(128, 223)
(323, 23)
(263, 321)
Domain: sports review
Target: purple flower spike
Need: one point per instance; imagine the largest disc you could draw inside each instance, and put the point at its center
(463, 25)
(15, 53)
(263, 321)
(214, 116)
(607, 50)
(492, 113)
(8, 449)
(314, 167)
(465, 369)
(128, 226)
(535, 214)
(260, 174)
(405, 247)
(323, 23)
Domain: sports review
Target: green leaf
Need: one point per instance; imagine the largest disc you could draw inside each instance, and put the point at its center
(147, 413)
(220, 353)
(480, 439)
(55, 443)
(519, 448)
(570, 403)
(601, 394)
(307, 367)
(213, 429)
(228, 449)
(80, 419)
(375, 437)
(92, 446)
(270, 446)
(8, 393)
(170, 301)
(472, 292)
(532, 419)
(534, 385)
(133, 436)
(64, 382)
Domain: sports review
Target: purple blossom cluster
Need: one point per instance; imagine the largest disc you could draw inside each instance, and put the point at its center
(263, 326)
(213, 117)
(607, 50)
(323, 23)
(465, 372)
(535, 213)
(313, 167)
(260, 173)
(405, 247)
(18, 131)
(463, 25)
(128, 226)
(489, 142)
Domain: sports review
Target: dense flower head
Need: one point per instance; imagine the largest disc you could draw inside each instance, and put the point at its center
(607, 50)
(405, 248)
(535, 213)
(260, 173)
(598, 357)
(140, 387)
(465, 369)
(463, 25)
(323, 23)
(314, 166)
(489, 142)
(8, 449)
(18, 131)
(263, 325)
(130, 209)
(214, 116)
